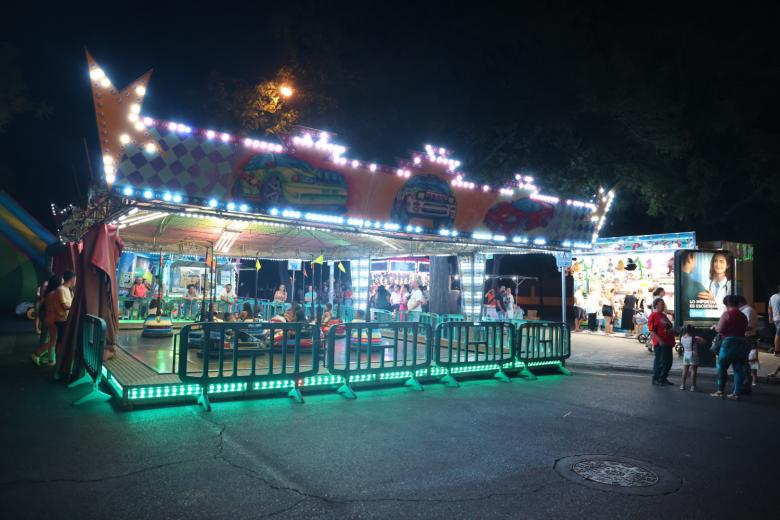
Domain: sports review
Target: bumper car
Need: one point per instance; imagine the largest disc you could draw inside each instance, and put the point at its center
(367, 338)
(157, 327)
(341, 330)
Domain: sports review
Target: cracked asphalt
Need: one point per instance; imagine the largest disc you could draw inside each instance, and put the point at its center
(486, 449)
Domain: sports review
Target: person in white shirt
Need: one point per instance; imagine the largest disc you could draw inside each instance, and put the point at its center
(227, 299)
(415, 299)
(592, 308)
(395, 298)
(774, 315)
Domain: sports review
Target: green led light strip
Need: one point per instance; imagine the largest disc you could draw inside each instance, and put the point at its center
(404, 374)
(152, 392)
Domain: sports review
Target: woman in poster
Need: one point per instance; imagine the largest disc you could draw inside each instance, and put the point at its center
(720, 281)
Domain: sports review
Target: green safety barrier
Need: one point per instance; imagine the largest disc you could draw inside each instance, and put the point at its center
(369, 355)
(543, 344)
(383, 315)
(467, 347)
(93, 342)
(284, 346)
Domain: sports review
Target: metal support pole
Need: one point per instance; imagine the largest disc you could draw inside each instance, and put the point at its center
(330, 282)
(563, 294)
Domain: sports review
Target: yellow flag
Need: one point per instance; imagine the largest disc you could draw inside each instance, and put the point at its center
(341, 267)
(319, 260)
(257, 265)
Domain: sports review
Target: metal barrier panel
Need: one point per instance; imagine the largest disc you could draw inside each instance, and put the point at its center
(379, 351)
(93, 341)
(382, 315)
(249, 356)
(463, 347)
(543, 343)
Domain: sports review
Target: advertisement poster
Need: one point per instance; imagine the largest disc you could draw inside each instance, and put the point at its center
(706, 277)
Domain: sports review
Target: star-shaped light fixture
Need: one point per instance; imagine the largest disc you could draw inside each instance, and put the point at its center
(119, 119)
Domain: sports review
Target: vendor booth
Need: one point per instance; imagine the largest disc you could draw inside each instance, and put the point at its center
(194, 201)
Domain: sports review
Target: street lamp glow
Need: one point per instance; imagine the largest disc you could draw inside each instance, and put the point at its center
(286, 90)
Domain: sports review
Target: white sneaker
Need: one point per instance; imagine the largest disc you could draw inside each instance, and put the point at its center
(693, 388)
(718, 394)
(682, 387)
(36, 359)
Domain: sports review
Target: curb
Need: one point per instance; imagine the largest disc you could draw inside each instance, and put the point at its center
(707, 372)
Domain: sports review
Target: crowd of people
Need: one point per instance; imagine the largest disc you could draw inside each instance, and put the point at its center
(734, 346)
(400, 299)
(628, 314)
(501, 304)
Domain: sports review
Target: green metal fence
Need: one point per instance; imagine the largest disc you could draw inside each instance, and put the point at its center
(92, 344)
(246, 357)
(543, 344)
(466, 347)
(380, 352)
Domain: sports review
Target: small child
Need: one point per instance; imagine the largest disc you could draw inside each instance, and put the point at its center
(328, 314)
(754, 364)
(689, 341)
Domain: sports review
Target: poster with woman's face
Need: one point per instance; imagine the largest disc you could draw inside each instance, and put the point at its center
(706, 277)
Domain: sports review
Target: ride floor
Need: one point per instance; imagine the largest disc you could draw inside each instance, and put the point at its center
(161, 355)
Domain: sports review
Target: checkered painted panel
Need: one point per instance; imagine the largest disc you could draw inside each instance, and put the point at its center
(192, 165)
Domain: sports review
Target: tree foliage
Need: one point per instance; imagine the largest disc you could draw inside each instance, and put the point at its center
(15, 99)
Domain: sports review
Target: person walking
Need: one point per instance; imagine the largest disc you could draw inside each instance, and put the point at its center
(592, 308)
(627, 316)
(662, 335)
(49, 332)
(774, 317)
(580, 315)
(733, 349)
(750, 343)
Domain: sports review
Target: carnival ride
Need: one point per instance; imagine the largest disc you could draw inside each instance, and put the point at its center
(171, 188)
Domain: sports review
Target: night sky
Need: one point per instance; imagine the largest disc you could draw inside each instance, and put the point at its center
(675, 106)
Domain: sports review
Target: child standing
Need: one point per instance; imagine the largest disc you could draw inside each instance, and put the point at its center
(754, 364)
(689, 341)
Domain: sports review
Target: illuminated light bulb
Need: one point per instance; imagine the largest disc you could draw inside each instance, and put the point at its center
(417, 160)
(132, 117)
(148, 121)
(177, 198)
(442, 151)
(355, 164)
(105, 83)
(183, 128)
(213, 203)
(167, 197)
(140, 90)
(225, 138)
(150, 147)
(231, 206)
(454, 182)
(124, 138)
(296, 140)
(110, 178)
(128, 191)
(372, 167)
(148, 194)
(172, 126)
(107, 159)
(399, 172)
(97, 74)
(286, 91)
(140, 126)
(485, 188)
(243, 207)
(135, 108)
(247, 142)
(210, 134)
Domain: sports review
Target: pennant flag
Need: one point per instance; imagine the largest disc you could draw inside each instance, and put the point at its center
(341, 267)
(257, 265)
(319, 260)
(305, 274)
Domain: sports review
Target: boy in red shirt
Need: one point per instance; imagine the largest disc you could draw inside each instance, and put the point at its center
(662, 334)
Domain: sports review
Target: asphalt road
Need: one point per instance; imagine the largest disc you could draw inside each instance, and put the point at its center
(486, 449)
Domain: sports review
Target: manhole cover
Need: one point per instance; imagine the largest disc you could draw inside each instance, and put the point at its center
(618, 474)
(615, 473)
